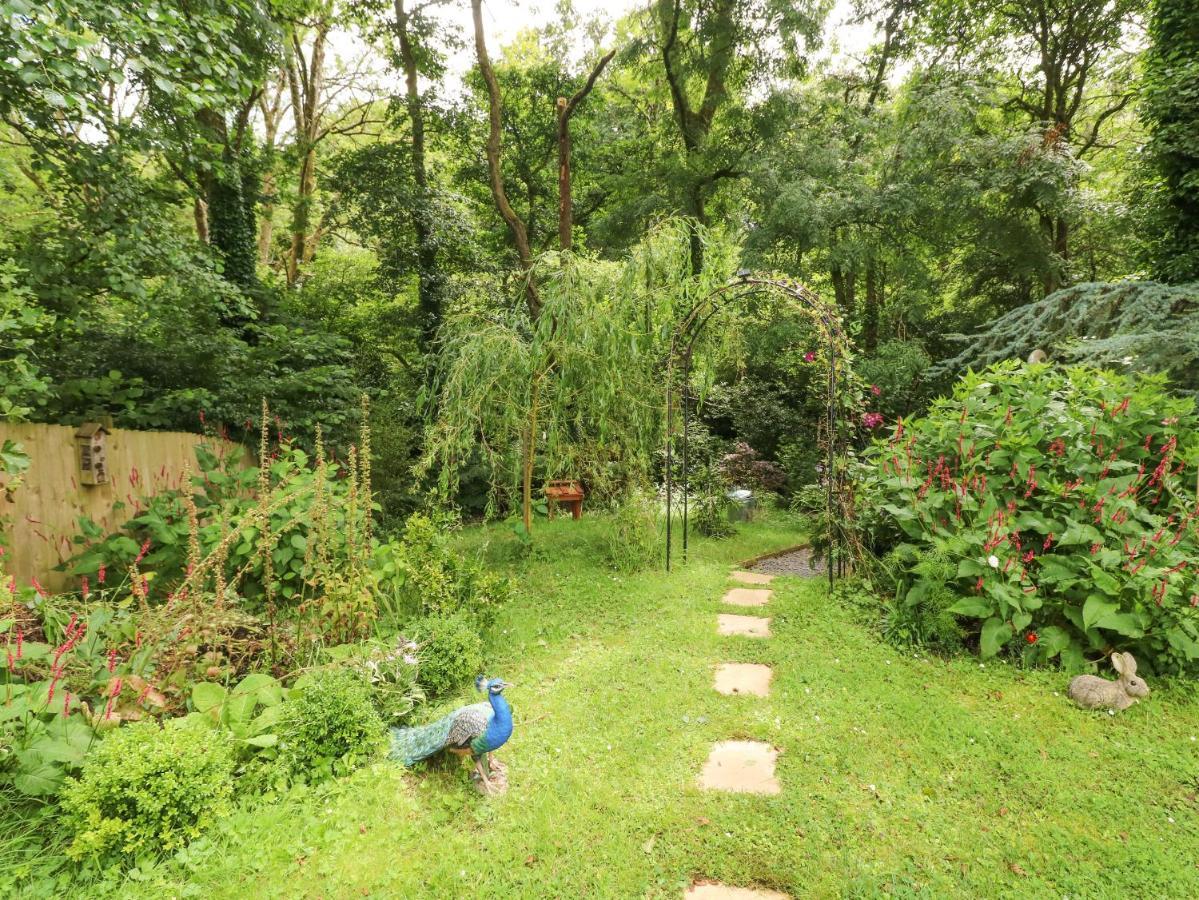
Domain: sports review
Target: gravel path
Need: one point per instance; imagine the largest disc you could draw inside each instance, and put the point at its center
(798, 562)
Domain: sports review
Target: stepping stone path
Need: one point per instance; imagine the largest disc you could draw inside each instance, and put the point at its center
(711, 891)
(748, 597)
(753, 577)
(749, 626)
(743, 767)
(737, 679)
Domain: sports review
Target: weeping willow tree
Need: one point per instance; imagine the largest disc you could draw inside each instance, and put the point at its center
(575, 391)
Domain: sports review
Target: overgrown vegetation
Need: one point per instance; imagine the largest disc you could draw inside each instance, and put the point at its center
(1057, 506)
(455, 287)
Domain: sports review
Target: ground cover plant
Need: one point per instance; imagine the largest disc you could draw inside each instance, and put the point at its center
(1061, 506)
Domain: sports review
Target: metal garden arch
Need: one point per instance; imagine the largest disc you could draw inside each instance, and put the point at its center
(682, 345)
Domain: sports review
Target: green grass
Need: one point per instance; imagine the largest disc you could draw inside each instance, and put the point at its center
(903, 776)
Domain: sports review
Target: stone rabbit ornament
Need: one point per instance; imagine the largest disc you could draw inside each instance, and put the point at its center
(1093, 692)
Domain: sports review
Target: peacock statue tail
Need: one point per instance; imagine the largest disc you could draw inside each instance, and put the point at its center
(411, 745)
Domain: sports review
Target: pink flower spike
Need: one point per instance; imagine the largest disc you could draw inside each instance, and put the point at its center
(876, 390)
(37, 586)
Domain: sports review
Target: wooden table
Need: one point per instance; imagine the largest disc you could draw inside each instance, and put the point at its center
(566, 492)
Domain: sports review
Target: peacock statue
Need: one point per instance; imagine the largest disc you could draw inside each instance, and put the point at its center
(479, 729)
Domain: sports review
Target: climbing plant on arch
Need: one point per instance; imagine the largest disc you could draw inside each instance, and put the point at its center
(839, 387)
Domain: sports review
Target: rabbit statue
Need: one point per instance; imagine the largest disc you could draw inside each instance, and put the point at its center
(1093, 692)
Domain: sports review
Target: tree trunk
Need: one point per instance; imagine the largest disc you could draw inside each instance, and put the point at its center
(843, 290)
(429, 276)
(200, 212)
(266, 227)
(566, 109)
(530, 456)
(870, 312)
(520, 235)
(306, 84)
(565, 225)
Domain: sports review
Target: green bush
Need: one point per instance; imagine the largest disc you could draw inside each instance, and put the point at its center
(451, 651)
(146, 789)
(921, 613)
(433, 579)
(632, 541)
(328, 726)
(1062, 501)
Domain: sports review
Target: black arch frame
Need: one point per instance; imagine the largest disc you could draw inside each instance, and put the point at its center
(682, 344)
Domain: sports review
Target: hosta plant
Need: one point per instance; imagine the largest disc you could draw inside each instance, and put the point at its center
(1065, 501)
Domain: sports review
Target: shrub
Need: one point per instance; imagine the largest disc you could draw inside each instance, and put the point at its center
(920, 614)
(328, 726)
(742, 468)
(632, 542)
(147, 789)
(450, 652)
(1063, 502)
(435, 580)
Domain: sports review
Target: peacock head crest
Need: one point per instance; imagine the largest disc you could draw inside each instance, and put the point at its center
(491, 685)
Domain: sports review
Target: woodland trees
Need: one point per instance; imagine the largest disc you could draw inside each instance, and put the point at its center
(208, 202)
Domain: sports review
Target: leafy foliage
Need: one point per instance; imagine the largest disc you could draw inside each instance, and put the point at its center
(148, 789)
(1171, 109)
(1145, 326)
(451, 652)
(1062, 503)
(327, 727)
(432, 578)
(633, 541)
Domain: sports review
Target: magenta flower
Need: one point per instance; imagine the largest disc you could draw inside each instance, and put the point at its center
(872, 420)
(876, 390)
(809, 356)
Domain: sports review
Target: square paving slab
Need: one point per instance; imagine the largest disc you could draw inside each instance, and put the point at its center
(750, 626)
(748, 596)
(744, 767)
(711, 891)
(752, 577)
(743, 678)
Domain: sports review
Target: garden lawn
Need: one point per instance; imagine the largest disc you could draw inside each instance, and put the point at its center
(901, 774)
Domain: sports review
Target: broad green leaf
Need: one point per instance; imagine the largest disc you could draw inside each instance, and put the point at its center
(1095, 609)
(206, 696)
(975, 607)
(1126, 624)
(995, 634)
(39, 781)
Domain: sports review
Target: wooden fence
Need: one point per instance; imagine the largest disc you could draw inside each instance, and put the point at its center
(42, 514)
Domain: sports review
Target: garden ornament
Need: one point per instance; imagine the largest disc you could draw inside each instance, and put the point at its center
(479, 729)
(1093, 692)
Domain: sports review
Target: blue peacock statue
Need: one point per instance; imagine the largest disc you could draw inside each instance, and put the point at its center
(479, 729)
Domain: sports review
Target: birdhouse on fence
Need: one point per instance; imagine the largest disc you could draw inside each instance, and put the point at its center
(91, 445)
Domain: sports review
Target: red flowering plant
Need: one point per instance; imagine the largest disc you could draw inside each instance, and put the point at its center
(58, 692)
(1066, 500)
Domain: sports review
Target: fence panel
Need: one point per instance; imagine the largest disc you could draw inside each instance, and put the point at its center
(43, 513)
